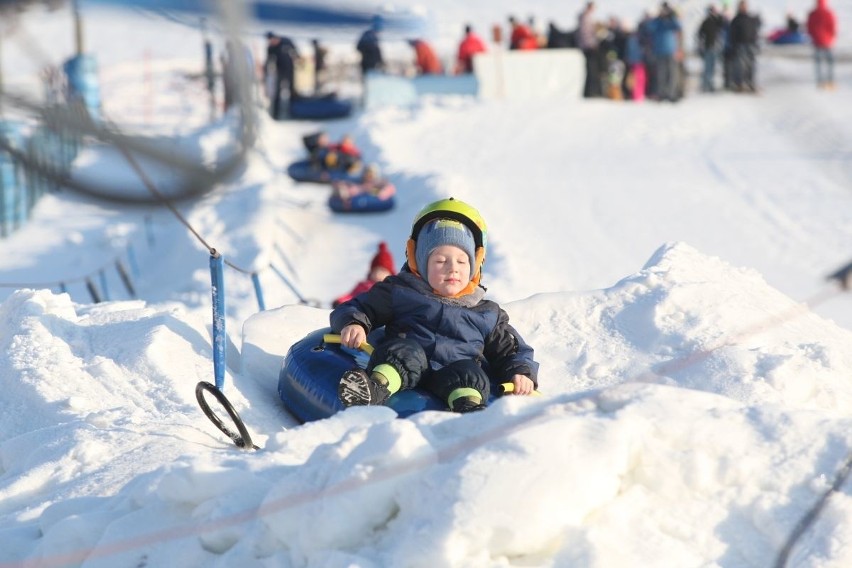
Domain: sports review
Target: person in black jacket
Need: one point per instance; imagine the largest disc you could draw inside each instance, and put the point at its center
(440, 332)
(320, 53)
(710, 43)
(369, 48)
(281, 57)
(744, 33)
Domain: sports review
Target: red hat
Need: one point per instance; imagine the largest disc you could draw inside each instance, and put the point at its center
(383, 258)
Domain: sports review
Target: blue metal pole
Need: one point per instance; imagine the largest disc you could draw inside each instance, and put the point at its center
(217, 264)
(93, 291)
(125, 278)
(255, 279)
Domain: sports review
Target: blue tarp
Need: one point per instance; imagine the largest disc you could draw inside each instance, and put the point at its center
(272, 11)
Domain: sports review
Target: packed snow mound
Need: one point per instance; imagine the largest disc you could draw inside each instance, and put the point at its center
(686, 319)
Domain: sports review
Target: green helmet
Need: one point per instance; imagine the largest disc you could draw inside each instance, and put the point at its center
(458, 211)
(453, 209)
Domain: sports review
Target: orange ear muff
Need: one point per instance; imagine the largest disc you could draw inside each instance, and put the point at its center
(480, 260)
(410, 254)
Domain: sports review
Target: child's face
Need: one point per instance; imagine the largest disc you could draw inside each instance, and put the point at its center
(379, 273)
(448, 270)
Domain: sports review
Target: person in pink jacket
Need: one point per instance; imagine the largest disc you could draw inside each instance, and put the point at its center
(822, 27)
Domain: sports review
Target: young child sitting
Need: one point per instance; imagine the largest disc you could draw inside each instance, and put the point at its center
(440, 332)
(371, 183)
(326, 155)
(380, 268)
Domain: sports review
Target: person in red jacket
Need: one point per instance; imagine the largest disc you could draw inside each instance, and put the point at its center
(380, 268)
(522, 36)
(822, 27)
(470, 45)
(425, 59)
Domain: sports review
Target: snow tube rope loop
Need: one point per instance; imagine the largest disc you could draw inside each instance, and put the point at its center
(242, 439)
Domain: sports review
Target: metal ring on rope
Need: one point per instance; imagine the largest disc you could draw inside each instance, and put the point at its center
(241, 440)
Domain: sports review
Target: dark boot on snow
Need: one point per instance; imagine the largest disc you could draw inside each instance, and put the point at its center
(357, 388)
(467, 404)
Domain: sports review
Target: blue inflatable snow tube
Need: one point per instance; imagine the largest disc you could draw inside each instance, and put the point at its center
(307, 383)
(319, 107)
(302, 170)
(363, 203)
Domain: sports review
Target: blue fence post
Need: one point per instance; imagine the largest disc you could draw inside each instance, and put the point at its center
(125, 278)
(255, 279)
(93, 291)
(12, 193)
(217, 264)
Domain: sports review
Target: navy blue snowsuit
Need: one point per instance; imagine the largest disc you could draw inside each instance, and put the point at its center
(371, 52)
(282, 56)
(438, 343)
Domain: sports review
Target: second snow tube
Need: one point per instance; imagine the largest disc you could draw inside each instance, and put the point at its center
(319, 107)
(303, 170)
(363, 203)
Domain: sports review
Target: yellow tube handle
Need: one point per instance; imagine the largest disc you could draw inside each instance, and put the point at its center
(510, 388)
(335, 338)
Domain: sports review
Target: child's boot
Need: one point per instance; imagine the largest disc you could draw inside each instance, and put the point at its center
(464, 400)
(467, 404)
(357, 388)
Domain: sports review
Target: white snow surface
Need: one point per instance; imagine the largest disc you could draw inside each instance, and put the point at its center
(667, 263)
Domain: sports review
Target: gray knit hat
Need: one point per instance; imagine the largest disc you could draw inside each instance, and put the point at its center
(443, 232)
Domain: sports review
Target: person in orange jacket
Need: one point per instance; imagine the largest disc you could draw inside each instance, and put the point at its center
(470, 45)
(380, 268)
(425, 59)
(822, 27)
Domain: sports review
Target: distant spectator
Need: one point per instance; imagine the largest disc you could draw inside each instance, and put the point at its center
(522, 37)
(822, 27)
(667, 38)
(281, 56)
(587, 40)
(636, 80)
(710, 42)
(614, 42)
(615, 71)
(369, 48)
(646, 45)
(425, 59)
(470, 45)
(791, 33)
(744, 33)
(320, 53)
(557, 38)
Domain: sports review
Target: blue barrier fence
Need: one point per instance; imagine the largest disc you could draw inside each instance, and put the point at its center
(45, 151)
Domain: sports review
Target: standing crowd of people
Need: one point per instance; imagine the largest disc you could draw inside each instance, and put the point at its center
(647, 61)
